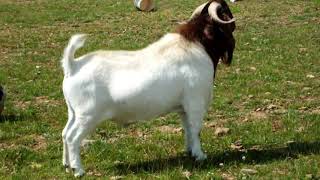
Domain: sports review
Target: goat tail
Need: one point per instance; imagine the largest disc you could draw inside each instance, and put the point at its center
(75, 42)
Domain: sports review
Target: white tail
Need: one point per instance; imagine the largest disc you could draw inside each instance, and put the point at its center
(75, 42)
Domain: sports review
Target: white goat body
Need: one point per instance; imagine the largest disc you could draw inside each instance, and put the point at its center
(174, 74)
(126, 86)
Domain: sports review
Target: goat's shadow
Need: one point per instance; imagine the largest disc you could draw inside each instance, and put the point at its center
(252, 156)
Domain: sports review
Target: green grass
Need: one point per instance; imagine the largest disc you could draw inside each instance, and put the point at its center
(269, 97)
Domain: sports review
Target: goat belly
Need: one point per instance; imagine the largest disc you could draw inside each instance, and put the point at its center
(131, 110)
(144, 100)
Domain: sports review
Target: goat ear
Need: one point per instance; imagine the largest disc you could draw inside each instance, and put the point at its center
(228, 55)
(229, 52)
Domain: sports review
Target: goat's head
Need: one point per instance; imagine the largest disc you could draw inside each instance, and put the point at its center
(212, 24)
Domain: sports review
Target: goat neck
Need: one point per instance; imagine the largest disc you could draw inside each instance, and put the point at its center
(212, 25)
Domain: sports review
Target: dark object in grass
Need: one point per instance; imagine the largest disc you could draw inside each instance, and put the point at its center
(2, 99)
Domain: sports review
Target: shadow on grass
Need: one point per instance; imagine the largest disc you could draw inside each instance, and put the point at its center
(253, 156)
(14, 118)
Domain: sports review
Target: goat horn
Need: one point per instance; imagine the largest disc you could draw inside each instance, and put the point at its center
(213, 12)
(198, 10)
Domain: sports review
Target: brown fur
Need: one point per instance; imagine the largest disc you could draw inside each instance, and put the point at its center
(216, 38)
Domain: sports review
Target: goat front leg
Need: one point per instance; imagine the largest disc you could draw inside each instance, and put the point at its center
(192, 122)
(195, 124)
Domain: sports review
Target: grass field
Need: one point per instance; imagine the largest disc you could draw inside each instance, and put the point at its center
(269, 98)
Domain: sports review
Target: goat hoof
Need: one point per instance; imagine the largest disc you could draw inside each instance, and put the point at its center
(201, 157)
(189, 153)
(67, 168)
(78, 172)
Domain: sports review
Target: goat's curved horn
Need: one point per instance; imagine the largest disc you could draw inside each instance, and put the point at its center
(213, 12)
(198, 10)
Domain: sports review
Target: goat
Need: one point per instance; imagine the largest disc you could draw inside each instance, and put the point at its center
(174, 74)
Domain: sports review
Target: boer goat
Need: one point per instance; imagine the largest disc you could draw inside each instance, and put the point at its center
(174, 74)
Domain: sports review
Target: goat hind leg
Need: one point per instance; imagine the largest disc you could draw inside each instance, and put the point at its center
(187, 133)
(79, 130)
(65, 156)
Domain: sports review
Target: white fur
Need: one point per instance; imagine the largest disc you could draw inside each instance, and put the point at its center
(170, 75)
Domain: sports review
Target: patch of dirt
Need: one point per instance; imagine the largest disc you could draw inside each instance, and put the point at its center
(116, 177)
(45, 100)
(6, 146)
(40, 142)
(256, 148)
(308, 98)
(221, 131)
(35, 165)
(211, 124)
(18, 1)
(38, 101)
(226, 176)
(237, 146)
(94, 172)
(23, 105)
(276, 125)
(169, 129)
(300, 129)
(138, 134)
(87, 142)
(115, 139)
(186, 174)
(316, 111)
(280, 172)
(258, 115)
(309, 110)
(264, 112)
(247, 171)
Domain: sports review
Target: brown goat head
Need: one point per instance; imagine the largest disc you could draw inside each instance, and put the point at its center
(212, 24)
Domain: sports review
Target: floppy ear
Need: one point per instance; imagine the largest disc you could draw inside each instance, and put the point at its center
(229, 53)
(228, 44)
